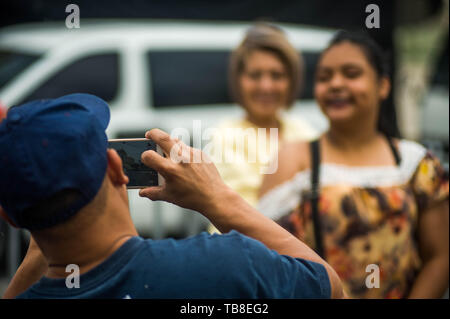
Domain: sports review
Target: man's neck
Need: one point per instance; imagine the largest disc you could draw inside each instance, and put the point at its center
(86, 243)
(86, 262)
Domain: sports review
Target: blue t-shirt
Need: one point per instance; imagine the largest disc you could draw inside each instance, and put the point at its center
(203, 266)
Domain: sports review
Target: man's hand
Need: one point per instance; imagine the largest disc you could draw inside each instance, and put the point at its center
(191, 179)
(195, 183)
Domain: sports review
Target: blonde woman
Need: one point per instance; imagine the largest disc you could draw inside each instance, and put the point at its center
(265, 77)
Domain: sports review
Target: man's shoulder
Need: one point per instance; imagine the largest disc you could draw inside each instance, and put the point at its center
(209, 258)
(228, 252)
(230, 242)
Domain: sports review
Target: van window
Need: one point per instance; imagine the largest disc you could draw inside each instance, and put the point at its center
(13, 63)
(200, 77)
(96, 74)
(189, 77)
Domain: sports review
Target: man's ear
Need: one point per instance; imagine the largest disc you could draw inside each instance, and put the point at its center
(115, 168)
(6, 217)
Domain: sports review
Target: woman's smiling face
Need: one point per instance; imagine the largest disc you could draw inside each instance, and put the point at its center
(264, 85)
(347, 87)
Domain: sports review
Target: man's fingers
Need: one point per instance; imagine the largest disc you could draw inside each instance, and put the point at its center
(161, 138)
(156, 161)
(153, 193)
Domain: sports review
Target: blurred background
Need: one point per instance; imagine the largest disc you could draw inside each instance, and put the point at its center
(164, 64)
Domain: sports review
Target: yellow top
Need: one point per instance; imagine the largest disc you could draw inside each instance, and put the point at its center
(242, 152)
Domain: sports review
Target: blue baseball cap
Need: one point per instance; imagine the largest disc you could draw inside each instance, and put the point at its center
(49, 146)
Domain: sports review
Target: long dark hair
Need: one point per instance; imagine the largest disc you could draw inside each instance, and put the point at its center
(387, 117)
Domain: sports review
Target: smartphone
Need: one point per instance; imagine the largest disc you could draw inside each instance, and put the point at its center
(130, 151)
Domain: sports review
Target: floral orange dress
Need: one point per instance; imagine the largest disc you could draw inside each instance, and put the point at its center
(369, 218)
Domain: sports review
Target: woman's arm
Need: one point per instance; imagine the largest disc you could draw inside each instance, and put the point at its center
(292, 158)
(432, 280)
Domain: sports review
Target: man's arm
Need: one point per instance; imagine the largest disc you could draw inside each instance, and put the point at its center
(196, 184)
(232, 212)
(32, 268)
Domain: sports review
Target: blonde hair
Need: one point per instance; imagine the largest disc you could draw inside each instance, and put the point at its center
(266, 37)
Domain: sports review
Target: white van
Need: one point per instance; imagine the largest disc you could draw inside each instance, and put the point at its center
(163, 74)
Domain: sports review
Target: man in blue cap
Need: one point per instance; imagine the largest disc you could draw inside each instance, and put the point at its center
(59, 180)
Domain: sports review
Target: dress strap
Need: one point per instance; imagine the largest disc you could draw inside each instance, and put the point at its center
(315, 195)
(394, 151)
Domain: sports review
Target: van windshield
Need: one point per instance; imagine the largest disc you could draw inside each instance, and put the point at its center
(13, 63)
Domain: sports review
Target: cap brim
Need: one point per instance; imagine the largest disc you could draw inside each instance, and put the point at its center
(95, 104)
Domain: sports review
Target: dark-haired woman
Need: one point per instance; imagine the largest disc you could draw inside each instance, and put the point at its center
(381, 214)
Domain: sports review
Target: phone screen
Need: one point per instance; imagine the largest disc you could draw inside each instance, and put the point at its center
(130, 152)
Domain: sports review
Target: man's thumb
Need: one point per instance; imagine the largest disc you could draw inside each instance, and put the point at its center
(153, 193)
